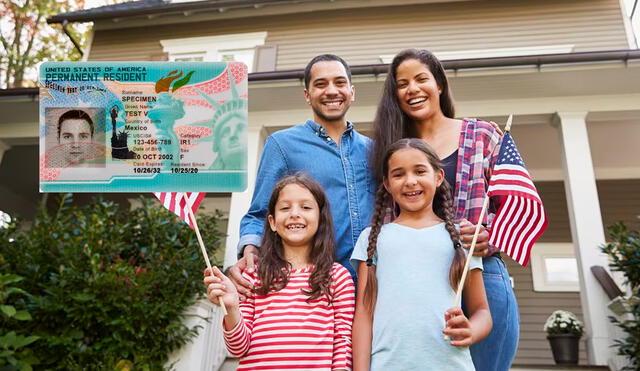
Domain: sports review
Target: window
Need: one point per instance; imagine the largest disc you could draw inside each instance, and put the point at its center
(554, 267)
(223, 48)
(188, 57)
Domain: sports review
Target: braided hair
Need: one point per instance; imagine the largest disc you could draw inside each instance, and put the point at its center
(442, 207)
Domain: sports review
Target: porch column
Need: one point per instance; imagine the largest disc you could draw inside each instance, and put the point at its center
(587, 231)
(240, 201)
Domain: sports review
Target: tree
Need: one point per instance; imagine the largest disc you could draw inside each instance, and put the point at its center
(26, 39)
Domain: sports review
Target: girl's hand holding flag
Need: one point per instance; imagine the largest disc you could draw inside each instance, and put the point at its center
(219, 287)
(458, 327)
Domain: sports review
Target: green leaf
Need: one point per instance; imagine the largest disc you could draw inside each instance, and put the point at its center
(83, 296)
(8, 310)
(23, 315)
(12, 360)
(14, 290)
(6, 279)
(8, 340)
(22, 341)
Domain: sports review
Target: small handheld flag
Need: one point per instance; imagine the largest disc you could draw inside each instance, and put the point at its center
(185, 205)
(521, 218)
(180, 202)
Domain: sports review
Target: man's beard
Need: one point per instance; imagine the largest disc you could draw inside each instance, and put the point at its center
(322, 116)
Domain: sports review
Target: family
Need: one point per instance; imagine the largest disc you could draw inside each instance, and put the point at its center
(395, 215)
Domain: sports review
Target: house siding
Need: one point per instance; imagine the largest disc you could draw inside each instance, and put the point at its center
(362, 35)
(619, 201)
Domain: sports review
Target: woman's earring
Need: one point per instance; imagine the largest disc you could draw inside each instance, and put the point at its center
(439, 91)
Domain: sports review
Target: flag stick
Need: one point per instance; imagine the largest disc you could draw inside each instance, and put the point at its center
(508, 126)
(471, 250)
(485, 205)
(204, 253)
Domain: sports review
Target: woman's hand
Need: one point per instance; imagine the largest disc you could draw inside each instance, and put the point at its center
(467, 229)
(458, 328)
(497, 127)
(219, 287)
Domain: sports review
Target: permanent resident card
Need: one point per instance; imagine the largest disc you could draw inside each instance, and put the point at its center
(143, 127)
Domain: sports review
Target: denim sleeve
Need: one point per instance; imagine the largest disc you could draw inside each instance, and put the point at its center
(273, 166)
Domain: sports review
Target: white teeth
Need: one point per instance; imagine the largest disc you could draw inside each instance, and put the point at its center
(415, 193)
(295, 226)
(417, 100)
(333, 104)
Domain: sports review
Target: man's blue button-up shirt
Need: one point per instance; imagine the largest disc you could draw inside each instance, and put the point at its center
(342, 171)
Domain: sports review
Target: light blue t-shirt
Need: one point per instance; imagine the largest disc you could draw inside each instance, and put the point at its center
(412, 268)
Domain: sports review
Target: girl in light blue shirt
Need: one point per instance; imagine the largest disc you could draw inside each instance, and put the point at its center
(408, 272)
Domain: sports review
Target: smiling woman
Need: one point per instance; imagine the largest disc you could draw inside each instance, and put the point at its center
(417, 103)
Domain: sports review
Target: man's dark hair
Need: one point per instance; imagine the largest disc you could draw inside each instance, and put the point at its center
(75, 114)
(324, 58)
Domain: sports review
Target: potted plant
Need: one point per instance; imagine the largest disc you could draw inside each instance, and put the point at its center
(564, 331)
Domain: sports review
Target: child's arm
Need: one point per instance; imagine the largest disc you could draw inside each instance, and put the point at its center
(238, 323)
(463, 331)
(362, 325)
(343, 305)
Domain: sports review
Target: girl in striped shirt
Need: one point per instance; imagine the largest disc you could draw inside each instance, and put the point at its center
(300, 314)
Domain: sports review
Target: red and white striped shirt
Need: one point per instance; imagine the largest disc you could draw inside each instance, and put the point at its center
(282, 331)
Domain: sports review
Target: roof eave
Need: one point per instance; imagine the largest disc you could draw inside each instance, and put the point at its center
(455, 64)
(461, 64)
(167, 8)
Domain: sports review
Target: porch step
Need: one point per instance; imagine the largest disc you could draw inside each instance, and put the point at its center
(230, 364)
(557, 368)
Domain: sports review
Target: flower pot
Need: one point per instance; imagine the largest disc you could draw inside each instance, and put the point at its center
(565, 348)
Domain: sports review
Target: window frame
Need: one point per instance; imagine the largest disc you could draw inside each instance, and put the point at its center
(542, 251)
(213, 47)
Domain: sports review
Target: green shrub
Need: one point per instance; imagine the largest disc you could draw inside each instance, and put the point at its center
(108, 286)
(14, 351)
(624, 253)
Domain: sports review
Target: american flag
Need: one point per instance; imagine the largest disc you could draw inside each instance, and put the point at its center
(521, 218)
(179, 202)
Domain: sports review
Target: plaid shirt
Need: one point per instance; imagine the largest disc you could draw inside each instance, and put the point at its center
(476, 158)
